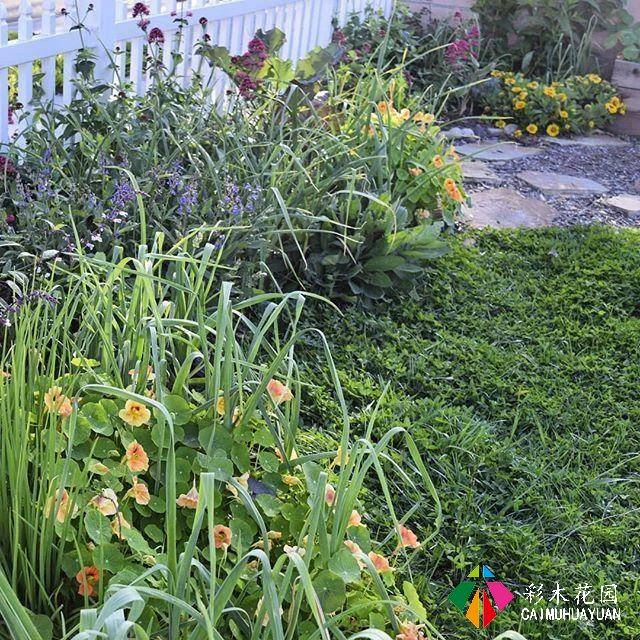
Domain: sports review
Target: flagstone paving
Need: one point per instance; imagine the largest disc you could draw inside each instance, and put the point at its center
(588, 180)
(561, 184)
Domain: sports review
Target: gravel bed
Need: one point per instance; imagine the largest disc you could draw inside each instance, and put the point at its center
(617, 168)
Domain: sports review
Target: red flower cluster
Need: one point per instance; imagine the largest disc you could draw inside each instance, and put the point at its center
(250, 62)
(140, 9)
(156, 36)
(7, 167)
(465, 48)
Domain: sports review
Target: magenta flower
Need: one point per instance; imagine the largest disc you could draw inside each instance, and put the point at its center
(6, 166)
(156, 36)
(140, 9)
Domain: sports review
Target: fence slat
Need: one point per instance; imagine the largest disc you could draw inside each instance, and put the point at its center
(112, 32)
(4, 79)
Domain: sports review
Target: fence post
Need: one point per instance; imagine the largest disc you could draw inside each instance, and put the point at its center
(101, 21)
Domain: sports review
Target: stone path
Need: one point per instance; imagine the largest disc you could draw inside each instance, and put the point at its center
(556, 182)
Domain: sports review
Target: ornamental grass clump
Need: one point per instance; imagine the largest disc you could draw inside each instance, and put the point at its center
(155, 475)
(579, 104)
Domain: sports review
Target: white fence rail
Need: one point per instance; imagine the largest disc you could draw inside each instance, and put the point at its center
(41, 54)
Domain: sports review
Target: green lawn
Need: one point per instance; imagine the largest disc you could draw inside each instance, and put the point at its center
(515, 366)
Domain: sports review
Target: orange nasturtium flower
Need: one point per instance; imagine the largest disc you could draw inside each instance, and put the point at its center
(106, 502)
(139, 492)
(87, 578)
(118, 524)
(278, 391)
(221, 536)
(380, 562)
(190, 499)
(56, 402)
(135, 413)
(355, 519)
(65, 508)
(452, 190)
(136, 457)
(329, 495)
(437, 162)
(407, 537)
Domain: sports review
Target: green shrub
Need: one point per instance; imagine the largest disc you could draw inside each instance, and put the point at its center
(576, 105)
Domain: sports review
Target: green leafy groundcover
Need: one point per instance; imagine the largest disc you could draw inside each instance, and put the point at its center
(515, 366)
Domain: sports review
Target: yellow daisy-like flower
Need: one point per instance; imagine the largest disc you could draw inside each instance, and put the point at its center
(510, 81)
(532, 129)
(615, 100)
(497, 74)
(611, 108)
(520, 104)
(595, 78)
(591, 124)
(501, 124)
(523, 95)
(516, 89)
(135, 413)
(553, 130)
(564, 114)
(549, 91)
(517, 133)
(533, 85)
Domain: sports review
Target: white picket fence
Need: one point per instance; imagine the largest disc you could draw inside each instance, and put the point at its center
(113, 34)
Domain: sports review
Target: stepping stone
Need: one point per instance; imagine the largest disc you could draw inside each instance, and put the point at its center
(506, 208)
(626, 203)
(479, 172)
(596, 140)
(559, 184)
(497, 151)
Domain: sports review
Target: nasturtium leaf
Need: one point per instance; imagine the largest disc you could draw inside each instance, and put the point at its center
(136, 541)
(97, 418)
(263, 437)
(98, 526)
(222, 438)
(241, 534)
(331, 591)
(361, 536)
(413, 599)
(270, 504)
(105, 448)
(344, 564)
(240, 457)
(108, 557)
(268, 461)
(154, 532)
(178, 407)
(218, 463)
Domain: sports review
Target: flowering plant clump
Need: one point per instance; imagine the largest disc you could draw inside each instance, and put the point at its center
(578, 104)
(428, 171)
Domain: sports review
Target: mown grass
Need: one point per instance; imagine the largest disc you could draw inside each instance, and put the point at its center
(515, 366)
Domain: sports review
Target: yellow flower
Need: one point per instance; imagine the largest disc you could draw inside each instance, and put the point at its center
(496, 74)
(135, 413)
(509, 81)
(562, 96)
(553, 130)
(520, 104)
(522, 95)
(517, 133)
(338, 460)
(564, 114)
(611, 108)
(501, 124)
(533, 85)
(291, 481)
(623, 109)
(595, 78)
(549, 91)
(591, 124)
(221, 408)
(615, 100)
(516, 89)
(118, 524)
(532, 129)
(423, 118)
